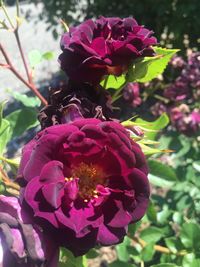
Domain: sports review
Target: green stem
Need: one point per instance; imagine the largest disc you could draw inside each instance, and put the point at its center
(159, 97)
(117, 95)
(7, 16)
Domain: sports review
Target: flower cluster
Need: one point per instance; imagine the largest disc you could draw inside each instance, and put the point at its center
(105, 46)
(83, 179)
(184, 120)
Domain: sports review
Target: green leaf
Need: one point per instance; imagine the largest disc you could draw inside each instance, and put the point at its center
(113, 82)
(151, 212)
(48, 55)
(92, 253)
(122, 252)
(67, 259)
(151, 234)
(165, 265)
(174, 244)
(2, 104)
(164, 214)
(156, 125)
(2, 187)
(132, 228)
(5, 134)
(161, 174)
(35, 58)
(196, 165)
(190, 260)
(190, 236)
(150, 67)
(27, 101)
(148, 252)
(22, 120)
(121, 264)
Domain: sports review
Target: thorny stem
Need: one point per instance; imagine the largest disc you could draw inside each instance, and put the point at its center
(18, 75)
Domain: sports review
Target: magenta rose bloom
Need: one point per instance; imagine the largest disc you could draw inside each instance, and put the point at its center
(21, 243)
(86, 181)
(105, 46)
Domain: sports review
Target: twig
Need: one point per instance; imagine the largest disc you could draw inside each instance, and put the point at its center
(18, 75)
(16, 33)
(10, 66)
(29, 76)
(6, 180)
(159, 248)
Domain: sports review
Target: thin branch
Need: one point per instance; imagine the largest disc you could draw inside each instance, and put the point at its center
(22, 55)
(16, 33)
(5, 66)
(7, 16)
(18, 75)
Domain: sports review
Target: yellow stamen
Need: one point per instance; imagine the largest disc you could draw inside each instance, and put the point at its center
(90, 176)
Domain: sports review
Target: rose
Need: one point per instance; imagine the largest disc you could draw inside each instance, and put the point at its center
(105, 46)
(131, 93)
(86, 181)
(184, 120)
(21, 243)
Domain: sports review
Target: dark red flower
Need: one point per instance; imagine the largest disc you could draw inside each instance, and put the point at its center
(87, 180)
(105, 46)
(21, 243)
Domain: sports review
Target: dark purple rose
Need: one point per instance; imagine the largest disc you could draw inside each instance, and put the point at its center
(105, 46)
(131, 94)
(184, 120)
(87, 181)
(68, 102)
(21, 243)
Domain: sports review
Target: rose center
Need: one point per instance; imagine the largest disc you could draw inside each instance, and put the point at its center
(89, 177)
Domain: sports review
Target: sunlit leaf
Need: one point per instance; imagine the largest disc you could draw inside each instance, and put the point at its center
(150, 67)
